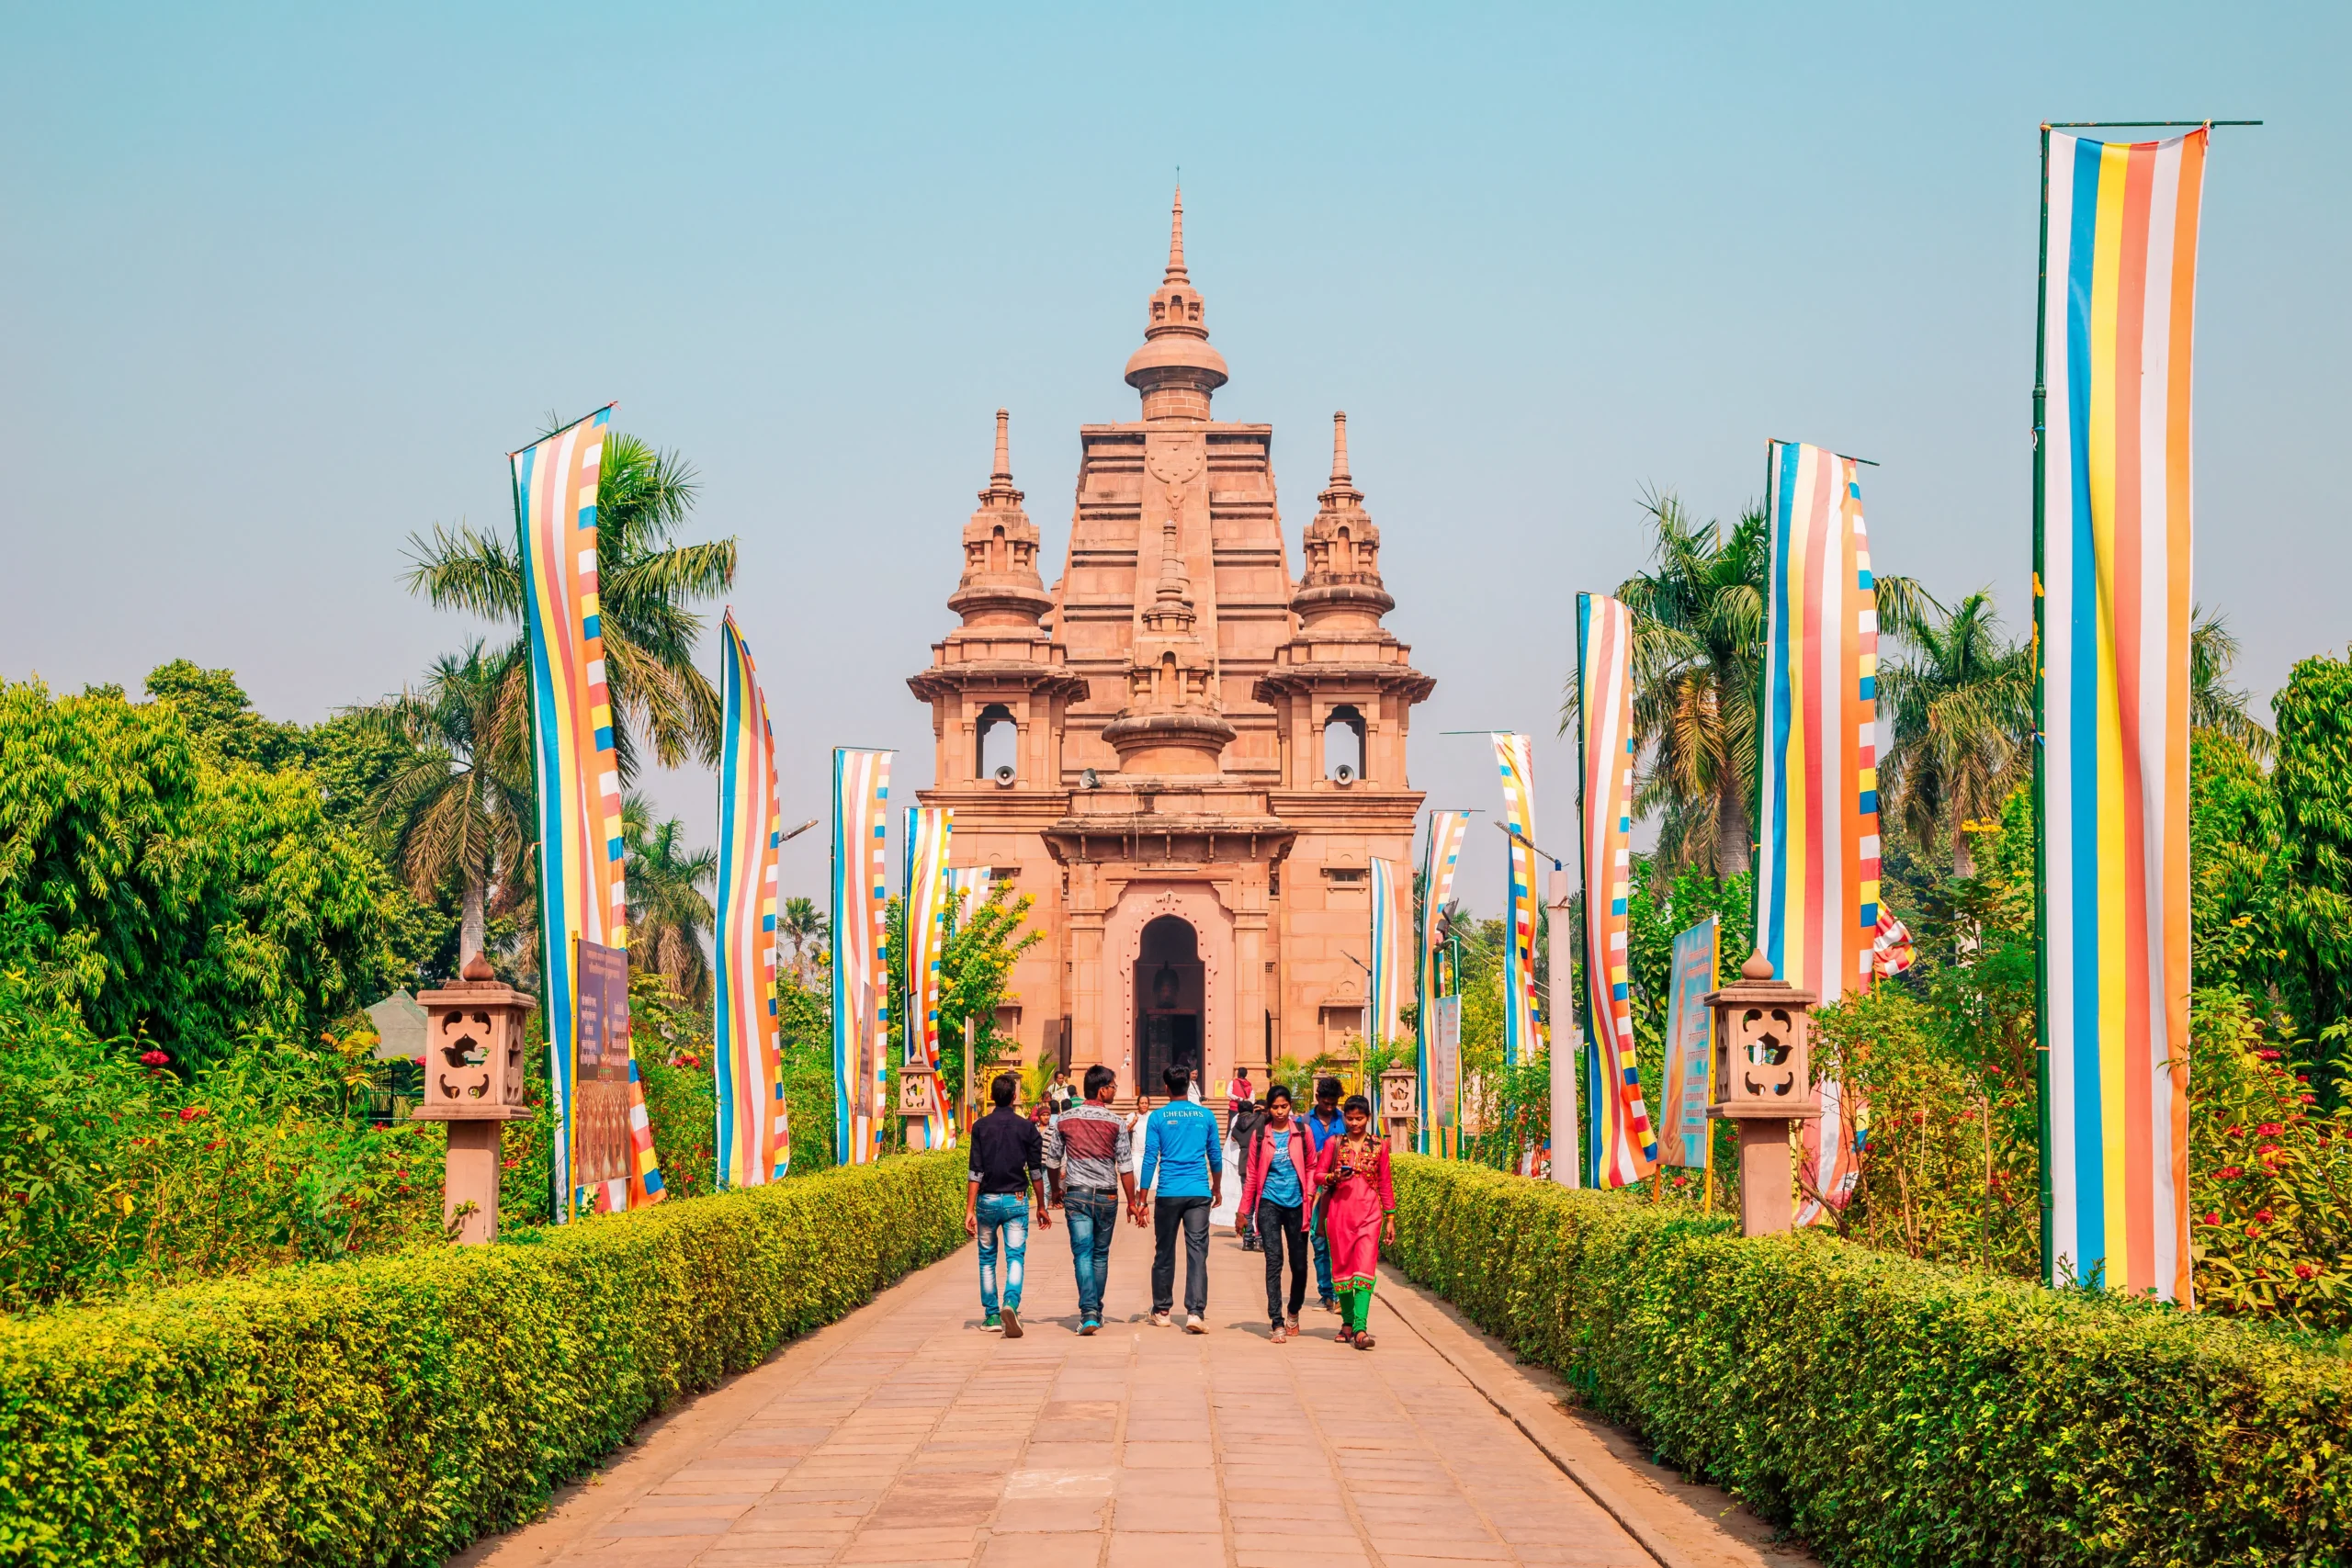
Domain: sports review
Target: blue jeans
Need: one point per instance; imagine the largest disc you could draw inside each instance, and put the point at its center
(1093, 1219)
(1322, 1265)
(1004, 1218)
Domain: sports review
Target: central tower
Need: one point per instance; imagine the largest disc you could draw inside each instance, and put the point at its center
(1197, 854)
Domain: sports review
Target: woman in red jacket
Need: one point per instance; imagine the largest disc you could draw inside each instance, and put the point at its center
(1359, 1212)
(1277, 1173)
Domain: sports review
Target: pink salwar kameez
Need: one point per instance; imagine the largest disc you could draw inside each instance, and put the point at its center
(1355, 1205)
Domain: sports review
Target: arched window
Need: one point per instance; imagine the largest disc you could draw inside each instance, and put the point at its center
(1343, 744)
(999, 741)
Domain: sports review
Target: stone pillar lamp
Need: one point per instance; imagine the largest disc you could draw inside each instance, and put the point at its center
(918, 1095)
(1400, 1105)
(473, 1080)
(1763, 1082)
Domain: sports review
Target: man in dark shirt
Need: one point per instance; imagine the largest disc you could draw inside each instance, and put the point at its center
(1008, 1158)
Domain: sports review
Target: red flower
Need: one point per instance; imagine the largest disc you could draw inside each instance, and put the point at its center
(2304, 1270)
(2213, 1219)
(2263, 1215)
(2229, 1173)
(154, 1059)
(214, 1145)
(2269, 1129)
(2267, 1054)
(190, 1112)
(2254, 1230)
(2308, 1098)
(2233, 1131)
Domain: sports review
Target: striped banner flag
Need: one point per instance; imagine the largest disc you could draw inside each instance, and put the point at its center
(1816, 880)
(861, 1002)
(1387, 968)
(584, 894)
(2111, 572)
(1523, 1010)
(928, 905)
(1625, 1144)
(1440, 860)
(747, 1057)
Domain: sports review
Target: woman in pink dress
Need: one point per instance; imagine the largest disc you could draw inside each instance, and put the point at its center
(1359, 1209)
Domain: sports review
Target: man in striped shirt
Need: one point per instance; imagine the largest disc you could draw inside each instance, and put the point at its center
(1087, 1149)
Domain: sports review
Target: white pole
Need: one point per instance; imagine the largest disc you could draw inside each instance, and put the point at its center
(1563, 936)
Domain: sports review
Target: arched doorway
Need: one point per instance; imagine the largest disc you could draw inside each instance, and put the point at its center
(1172, 987)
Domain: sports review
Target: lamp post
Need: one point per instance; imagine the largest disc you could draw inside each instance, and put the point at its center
(1763, 1082)
(473, 1081)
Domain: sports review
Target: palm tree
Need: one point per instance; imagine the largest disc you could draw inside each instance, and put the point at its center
(459, 804)
(669, 899)
(1698, 634)
(2213, 705)
(803, 925)
(645, 584)
(1961, 709)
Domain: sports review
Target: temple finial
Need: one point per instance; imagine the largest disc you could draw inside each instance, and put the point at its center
(1340, 474)
(1176, 241)
(1003, 469)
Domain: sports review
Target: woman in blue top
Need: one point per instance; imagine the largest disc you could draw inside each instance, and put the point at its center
(1275, 1180)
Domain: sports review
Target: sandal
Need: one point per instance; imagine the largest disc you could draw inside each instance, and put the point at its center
(1347, 1335)
(1363, 1341)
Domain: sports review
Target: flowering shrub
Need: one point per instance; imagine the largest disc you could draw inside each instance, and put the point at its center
(114, 1173)
(2270, 1177)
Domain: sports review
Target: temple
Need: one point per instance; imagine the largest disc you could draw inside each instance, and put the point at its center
(1187, 757)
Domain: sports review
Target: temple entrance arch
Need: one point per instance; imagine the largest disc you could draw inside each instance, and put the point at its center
(1170, 995)
(1150, 1020)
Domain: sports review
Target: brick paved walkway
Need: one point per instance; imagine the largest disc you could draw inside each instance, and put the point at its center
(904, 1436)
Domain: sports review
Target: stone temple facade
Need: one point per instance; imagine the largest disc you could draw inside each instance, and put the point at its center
(1184, 755)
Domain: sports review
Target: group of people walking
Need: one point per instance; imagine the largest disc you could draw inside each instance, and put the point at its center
(1314, 1187)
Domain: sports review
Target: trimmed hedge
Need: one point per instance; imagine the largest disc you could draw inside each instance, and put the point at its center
(392, 1409)
(1898, 1412)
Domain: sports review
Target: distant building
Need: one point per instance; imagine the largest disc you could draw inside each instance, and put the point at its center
(1185, 756)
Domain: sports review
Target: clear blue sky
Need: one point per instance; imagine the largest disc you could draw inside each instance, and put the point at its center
(284, 283)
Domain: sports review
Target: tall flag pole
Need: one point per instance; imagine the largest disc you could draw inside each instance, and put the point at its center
(747, 1058)
(1522, 1011)
(1625, 1144)
(1387, 970)
(861, 1005)
(1440, 860)
(2112, 578)
(928, 902)
(583, 898)
(1816, 883)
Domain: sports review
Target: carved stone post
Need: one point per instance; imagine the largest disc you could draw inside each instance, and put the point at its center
(1400, 1105)
(1763, 1082)
(918, 1102)
(473, 1081)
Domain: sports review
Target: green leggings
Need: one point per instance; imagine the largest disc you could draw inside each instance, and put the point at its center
(1355, 1307)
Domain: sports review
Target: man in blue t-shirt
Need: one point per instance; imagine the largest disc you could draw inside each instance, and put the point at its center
(1323, 1124)
(1182, 1177)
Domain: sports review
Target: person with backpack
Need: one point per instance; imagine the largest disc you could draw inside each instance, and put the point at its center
(1278, 1166)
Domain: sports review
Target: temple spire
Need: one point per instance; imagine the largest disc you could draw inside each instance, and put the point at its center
(1340, 474)
(1003, 469)
(1176, 242)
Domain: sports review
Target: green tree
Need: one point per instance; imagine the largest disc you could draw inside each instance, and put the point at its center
(456, 807)
(221, 719)
(2214, 704)
(670, 910)
(804, 926)
(2309, 812)
(646, 585)
(1961, 703)
(155, 893)
(974, 969)
(1698, 632)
